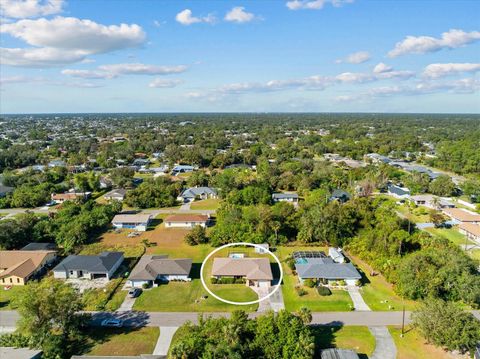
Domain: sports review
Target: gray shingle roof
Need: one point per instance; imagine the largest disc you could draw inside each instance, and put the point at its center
(198, 191)
(149, 267)
(326, 268)
(102, 263)
(284, 195)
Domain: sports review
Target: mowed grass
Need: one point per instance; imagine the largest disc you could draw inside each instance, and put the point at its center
(122, 341)
(413, 346)
(206, 204)
(6, 297)
(452, 234)
(339, 300)
(187, 297)
(378, 293)
(357, 338)
(416, 215)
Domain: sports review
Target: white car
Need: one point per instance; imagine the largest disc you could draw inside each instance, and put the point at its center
(117, 323)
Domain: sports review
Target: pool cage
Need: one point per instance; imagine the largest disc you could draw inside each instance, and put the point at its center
(309, 254)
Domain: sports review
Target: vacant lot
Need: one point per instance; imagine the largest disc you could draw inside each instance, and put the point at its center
(206, 204)
(357, 338)
(413, 346)
(122, 341)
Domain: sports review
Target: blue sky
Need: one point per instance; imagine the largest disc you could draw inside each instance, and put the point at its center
(273, 56)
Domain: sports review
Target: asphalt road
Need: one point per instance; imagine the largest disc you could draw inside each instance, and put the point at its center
(8, 319)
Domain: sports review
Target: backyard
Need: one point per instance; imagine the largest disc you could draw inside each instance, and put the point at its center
(452, 234)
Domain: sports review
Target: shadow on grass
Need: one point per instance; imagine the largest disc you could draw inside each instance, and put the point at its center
(325, 338)
(154, 223)
(195, 271)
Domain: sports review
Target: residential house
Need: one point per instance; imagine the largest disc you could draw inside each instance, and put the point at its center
(152, 268)
(324, 269)
(256, 271)
(57, 163)
(20, 353)
(376, 158)
(17, 267)
(285, 197)
(334, 353)
(115, 195)
(4, 190)
(138, 222)
(105, 183)
(336, 254)
(431, 201)
(186, 220)
(340, 196)
(193, 193)
(37, 246)
(470, 230)
(462, 215)
(59, 198)
(182, 169)
(262, 248)
(89, 267)
(398, 192)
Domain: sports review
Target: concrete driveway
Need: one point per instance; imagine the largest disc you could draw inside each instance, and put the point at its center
(164, 340)
(127, 304)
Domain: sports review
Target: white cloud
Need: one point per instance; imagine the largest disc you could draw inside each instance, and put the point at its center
(423, 44)
(185, 17)
(314, 4)
(381, 67)
(239, 15)
(65, 40)
(20, 9)
(440, 70)
(354, 77)
(355, 58)
(46, 81)
(116, 70)
(163, 83)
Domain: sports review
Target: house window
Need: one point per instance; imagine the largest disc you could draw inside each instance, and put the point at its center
(18, 280)
(71, 272)
(11, 281)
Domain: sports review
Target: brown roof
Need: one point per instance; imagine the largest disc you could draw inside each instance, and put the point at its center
(462, 215)
(21, 263)
(187, 218)
(149, 267)
(131, 218)
(251, 268)
(66, 196)
(470, 228)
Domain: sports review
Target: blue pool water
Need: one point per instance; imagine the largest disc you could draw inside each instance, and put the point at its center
(302, 261)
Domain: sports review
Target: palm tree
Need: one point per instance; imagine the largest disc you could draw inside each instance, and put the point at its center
(305, 315)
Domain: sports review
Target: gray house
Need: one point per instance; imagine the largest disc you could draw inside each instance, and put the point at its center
(326, 270)
(151, 268)
(115, 195)
(285, 197)
(190, 194)
(89, 267)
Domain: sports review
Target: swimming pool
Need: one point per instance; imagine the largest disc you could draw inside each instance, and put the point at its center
(301, 261)
(237, 255)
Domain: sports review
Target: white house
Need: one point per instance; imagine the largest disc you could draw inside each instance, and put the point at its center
(158, 268)
(190, 194)
(471, 231)
(115, 195)
(138, 222)
(186, 220)
(285, 197)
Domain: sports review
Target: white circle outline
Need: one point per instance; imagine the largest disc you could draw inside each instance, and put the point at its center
(277, 287)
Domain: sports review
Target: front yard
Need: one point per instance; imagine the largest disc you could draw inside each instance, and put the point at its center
(187, 297)
(122, 341)
(413, 346)
(206, 204)
(377, 292)
(357, 338)
(6, 297)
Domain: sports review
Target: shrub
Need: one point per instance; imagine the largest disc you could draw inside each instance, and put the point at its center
(324, 291)
(301, 292)
(291, 263)
(333, 283)
(342, 282)
(213, 280)
(145, 285)
(240, 281)
(310, 283)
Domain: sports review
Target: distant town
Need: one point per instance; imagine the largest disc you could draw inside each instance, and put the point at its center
(106, 220)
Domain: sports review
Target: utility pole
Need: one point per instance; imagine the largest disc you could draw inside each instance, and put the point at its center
(403, 319)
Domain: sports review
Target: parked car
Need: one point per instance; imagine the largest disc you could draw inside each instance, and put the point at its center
(117, 323)
(134, 292)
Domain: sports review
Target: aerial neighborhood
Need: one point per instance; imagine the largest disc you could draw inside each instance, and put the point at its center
(122, 227)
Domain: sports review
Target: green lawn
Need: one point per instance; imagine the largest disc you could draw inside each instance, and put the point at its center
(357, 338)
(452, 234)
(413, 346)
(122, 341)
(7, 295)
(378, 293)
(187, 297)
(475, 254)
(416, 215)
(206, 204)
